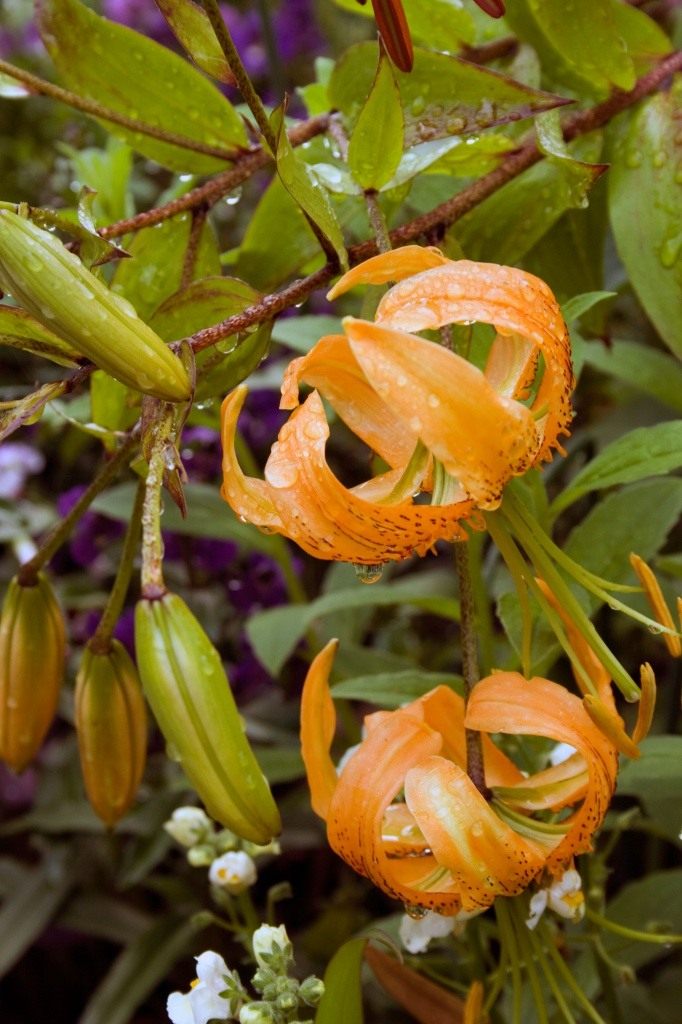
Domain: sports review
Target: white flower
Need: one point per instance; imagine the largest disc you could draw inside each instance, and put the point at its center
(560, 753)
(564, 896)
(204, 1001)
(272, 948)
(189, 825)
(234, 871)
(416, 933)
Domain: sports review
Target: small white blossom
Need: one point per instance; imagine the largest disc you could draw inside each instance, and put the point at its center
(564, 896)
(234, 871)
(256, 1013)
(272, 948)
(189, 825)
(560, 753)
(416, 933)
(204, 1002)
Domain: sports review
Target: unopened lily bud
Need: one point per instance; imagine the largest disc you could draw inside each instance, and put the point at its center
(190, 695)
(32, 653)
(52, 284)
(272, 948)
(189, 825)
(311, 990)
(111, 722)
(234, 871)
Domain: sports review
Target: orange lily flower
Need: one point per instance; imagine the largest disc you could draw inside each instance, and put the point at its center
(444, 847)
(426, 411)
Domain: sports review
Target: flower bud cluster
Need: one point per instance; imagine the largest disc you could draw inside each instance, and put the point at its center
(218, 993)
(229, 858)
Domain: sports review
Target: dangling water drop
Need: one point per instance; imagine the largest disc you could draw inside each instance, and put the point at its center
(369, 573)
(416, 913)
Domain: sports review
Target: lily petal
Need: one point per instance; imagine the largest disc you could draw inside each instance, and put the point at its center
(484, 855)
(330, 521)
(481, 438)
(394, 265)
(318, 722)
(250, 498)
(331, 368)
(506, 702)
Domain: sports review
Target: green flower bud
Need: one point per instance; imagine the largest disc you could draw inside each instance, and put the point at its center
(190, 695)
(201, 856)
(272, 948)
(52, 284)
(256, 1013)
(111, 723)
(32, 653)
(311, 990)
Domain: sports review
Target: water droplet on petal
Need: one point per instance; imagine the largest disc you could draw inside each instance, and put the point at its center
(369, 573)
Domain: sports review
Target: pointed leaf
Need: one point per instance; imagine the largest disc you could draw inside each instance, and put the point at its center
(645, 199)
(31, 905)
(201, 304)
(136, 77)
(640, 366)
(376, 144)
(193, 29)
(578, 175)
(506, 225)
(392, 689)
(645, 452)
(441, 96)
(655, 780)
(342, 999)
(304, 189)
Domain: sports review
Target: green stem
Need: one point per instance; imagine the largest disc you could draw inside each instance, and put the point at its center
(526, 947)
(508, 943)
(94, 109)
(547, 571)
(538, 948)
(60, 533)
(377, 221)
(247, 912)
(631, 933)
(564, 972)
(470, 670)
(520, 575)
(153, 585)
(244, 83)
(100, 642)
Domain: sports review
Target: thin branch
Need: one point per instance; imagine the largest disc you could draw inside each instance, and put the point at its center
(445, 214)
(199, 214)
(221, 185)
(41, 87)
(505, 47)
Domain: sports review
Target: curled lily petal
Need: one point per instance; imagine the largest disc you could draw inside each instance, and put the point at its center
(318, 721)
(518, 304)
(331, 521)
(250, 498)
(485, 857)
(480, 437)
(394, 265)
(505, 702)
(331, 368)
(551, 789)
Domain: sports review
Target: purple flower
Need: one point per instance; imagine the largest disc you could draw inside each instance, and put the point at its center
(261, 420)
(258, 585)
(93, 533)
(296, 30)
(206, 554)
(17, 463)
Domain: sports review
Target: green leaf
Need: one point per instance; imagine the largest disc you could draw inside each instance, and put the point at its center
(578, 175)
(207, 516)
(136, 77)
(376, 144)
(277, 215)
(506, 225)
(222, 371)
(586, 37)
(31, 905)
(107, 172)
(646, 42)
(342, 999)
(138, 970)
(444, 21)
(110, 402)
(201, 304)
(19, 329)
(392, 689)
(645, 452)
(652, 903)
(194, 31)
(441, 96)
(300, 333)
(280, 763)
(275, 633)
(655, 780)
(104, 917)
(157, 254)
(28, 409)
(645, 202)
(304, 189)
(640, 366)
(581, 304)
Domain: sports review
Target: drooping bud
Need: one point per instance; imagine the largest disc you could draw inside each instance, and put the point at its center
(190, 695)
(111, 722)
(52, 284)
(32, 653)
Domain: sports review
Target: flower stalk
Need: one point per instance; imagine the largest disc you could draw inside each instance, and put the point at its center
(470, 667)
